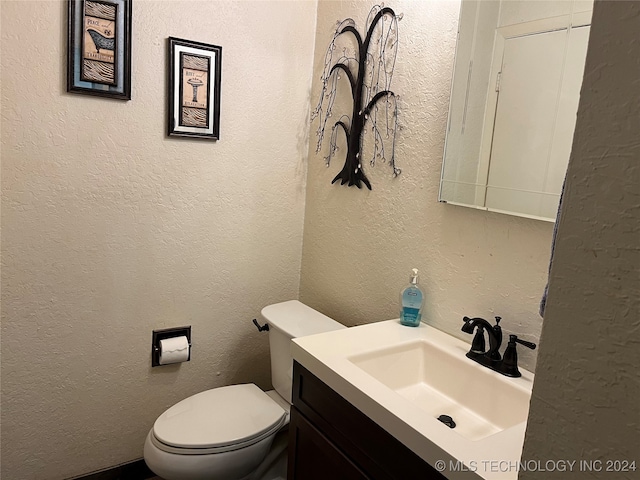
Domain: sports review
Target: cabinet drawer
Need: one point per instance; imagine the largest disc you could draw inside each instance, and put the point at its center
(378, 454)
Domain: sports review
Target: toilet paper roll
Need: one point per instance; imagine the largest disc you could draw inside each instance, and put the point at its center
(174, 350)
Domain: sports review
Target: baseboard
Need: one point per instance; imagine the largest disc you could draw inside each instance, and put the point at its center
(136, 470)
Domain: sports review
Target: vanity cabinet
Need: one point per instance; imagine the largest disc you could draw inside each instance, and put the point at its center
(329, 438)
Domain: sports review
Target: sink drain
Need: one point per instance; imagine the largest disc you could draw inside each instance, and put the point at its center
(447, 420)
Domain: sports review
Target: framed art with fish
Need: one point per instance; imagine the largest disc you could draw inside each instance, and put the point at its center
(99, 48)
(194, 89)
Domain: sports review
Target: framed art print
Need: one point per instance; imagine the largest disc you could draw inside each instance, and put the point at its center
(99, 48)
(194, 89)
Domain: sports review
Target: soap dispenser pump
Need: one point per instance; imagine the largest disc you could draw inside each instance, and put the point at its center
(411, 302)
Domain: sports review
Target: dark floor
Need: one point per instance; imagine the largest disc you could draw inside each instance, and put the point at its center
(137, 470)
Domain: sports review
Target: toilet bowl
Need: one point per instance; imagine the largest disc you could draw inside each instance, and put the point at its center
(228, 433)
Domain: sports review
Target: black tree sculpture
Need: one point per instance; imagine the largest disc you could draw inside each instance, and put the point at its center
(369, 70)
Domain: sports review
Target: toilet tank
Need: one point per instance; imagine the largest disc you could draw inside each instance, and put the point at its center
(288, 320)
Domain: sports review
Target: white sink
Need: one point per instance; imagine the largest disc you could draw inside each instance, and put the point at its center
(404, 378)
(441, 383)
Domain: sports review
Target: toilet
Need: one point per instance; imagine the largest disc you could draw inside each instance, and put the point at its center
(236, 432)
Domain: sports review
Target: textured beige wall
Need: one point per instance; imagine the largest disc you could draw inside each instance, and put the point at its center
(111, 230)
(360, 245)
(585, 398)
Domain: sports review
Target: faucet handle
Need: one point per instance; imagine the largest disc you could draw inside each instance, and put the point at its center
(498, 320)
(478, 344)
(514, 338)
(510, 357)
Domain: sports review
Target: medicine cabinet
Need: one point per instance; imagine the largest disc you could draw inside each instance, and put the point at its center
(514, 97)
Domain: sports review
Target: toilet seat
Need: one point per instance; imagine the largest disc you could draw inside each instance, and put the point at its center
(218, 420)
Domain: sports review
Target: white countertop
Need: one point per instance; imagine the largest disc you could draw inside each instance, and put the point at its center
(327, 355)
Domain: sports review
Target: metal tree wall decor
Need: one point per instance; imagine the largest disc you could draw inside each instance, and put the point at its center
(368, 69)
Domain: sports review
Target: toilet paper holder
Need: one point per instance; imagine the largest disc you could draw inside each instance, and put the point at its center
(158, 335)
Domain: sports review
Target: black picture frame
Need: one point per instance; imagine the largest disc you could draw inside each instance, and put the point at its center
(194, 89)
(99, 48)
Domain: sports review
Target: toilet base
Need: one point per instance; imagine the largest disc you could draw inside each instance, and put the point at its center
(274, 466)
(233, 465)
(265, 460)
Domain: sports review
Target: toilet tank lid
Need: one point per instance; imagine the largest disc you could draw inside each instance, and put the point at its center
(297, 319)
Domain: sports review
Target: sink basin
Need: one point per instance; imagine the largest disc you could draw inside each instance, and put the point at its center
(404, 378)
(443, 382)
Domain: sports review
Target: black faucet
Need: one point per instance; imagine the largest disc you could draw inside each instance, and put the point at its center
(491, 358)
(494, 333)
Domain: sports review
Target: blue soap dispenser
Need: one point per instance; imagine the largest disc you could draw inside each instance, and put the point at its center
(411, 302)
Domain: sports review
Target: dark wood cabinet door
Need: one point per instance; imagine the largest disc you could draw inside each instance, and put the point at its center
(313, 457)
(339, 442)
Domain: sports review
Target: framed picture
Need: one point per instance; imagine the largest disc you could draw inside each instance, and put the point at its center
(99, 48)
(194, 89)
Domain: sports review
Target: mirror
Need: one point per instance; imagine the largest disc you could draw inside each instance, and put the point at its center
(514, 97)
